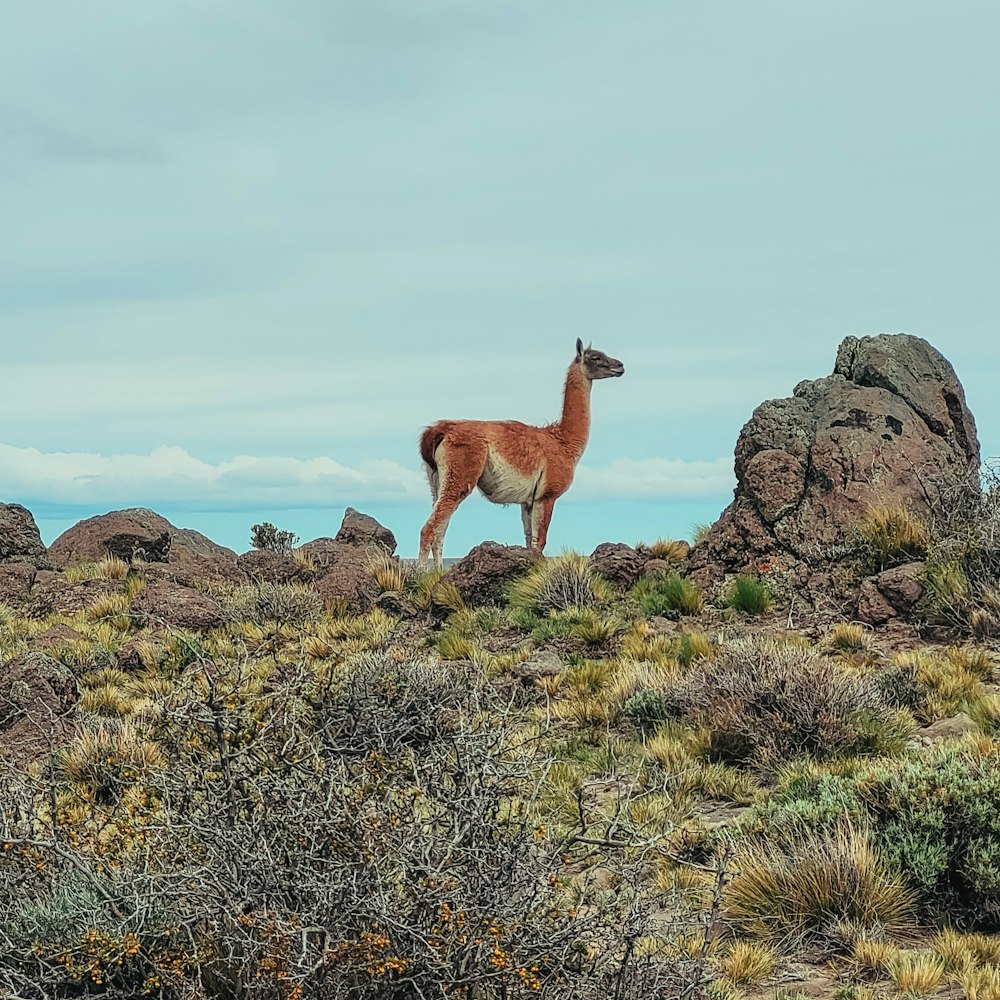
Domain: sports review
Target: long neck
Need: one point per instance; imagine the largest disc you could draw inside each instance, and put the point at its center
(574, 424)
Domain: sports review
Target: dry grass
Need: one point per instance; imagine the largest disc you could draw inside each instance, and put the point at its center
(916, 973)
(670, 549)
(387, 571)
(870, 955)
(567, 581)
(889, 534)
(749, 962)
(787, 891)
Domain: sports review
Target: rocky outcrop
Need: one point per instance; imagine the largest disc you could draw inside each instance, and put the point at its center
(163, 602)
(271, 567)
(483, 575)
(54, 595)
(16, 579)
(20, 540)
(344, 578)
(890, 425)
(36, 694)
(363, 530)
(620, 564)
(138, 534)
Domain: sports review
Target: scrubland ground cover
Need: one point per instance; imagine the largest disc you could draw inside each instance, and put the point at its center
(581, 792)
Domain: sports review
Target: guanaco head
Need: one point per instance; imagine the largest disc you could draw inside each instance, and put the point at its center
(596, 364)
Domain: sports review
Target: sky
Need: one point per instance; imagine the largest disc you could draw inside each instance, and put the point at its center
(248, 250)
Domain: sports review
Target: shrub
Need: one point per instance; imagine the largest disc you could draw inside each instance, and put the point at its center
(808, 884)
(649, 707)
(963, 556)
(661, 593)
(266, 536)
(749, 595)
(889, 535)
(936, 816)
(768, 702)
(281, 603)
(567, 581)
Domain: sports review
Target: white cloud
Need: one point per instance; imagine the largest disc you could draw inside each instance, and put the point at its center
(171, 476)
(654, 479)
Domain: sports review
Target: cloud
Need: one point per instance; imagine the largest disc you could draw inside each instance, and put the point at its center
(171, 476)
(654, 479)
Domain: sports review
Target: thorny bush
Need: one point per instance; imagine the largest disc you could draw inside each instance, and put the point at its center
(356, 830)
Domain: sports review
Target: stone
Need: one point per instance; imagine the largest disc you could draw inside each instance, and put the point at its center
(537, 667)
(53, 637)
(54, 595)
(16, 580)
(893, 593)
(951, 728)
(20, 540)
(618, 563)
(890, 425)
(483, 576)
(138, 534)
(165, 602)
(363, 530)
(37, 693)
(392, 602)
(271, 567)
(343, 576)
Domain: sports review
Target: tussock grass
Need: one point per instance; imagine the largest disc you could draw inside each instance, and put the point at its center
(749, 595)
(111, 568)
(848, 637)
(812, 883)
(870, 956)
(111, 608)
(567, 581)
(979, 983)
(890, 534)
(388, 572)
(100, 761)
(749, 962)
(916, 973)
(659, 594)
(670, 549)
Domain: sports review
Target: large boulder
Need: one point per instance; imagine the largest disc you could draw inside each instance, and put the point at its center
(140, 534)
(20, 540)
(483, 576)
(36, 695)
(363, 530)
(890, 425)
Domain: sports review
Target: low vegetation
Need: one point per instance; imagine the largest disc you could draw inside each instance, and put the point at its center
(579, 791)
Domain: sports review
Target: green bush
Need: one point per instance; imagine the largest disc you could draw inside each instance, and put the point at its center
(936, 816)
(662, 593)
(749, 595)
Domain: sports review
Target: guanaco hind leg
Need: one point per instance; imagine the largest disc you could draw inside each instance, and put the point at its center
(458, 470)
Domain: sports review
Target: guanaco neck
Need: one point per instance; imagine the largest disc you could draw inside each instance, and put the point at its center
(573, 427)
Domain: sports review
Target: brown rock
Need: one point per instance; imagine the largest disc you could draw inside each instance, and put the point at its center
(893, 593)
(537, 667)
(137, 534)
(889, 426)
(36, 694)
(484, 574)
(20, 540)
(270, 567)
(392, 602)
(54, 636)
(345, 577)
(16, 580)
(168, 603)
(951, 728)
(363, 530)
(54, 595)
(618, 563)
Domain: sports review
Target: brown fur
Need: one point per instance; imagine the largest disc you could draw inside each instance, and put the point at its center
(509, 461)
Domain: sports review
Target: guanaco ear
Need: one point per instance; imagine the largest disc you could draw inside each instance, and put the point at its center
(579, 348)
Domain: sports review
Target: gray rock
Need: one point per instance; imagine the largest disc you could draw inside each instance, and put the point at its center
(363, 530)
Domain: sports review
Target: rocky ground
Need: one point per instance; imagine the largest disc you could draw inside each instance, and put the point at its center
(763, 766)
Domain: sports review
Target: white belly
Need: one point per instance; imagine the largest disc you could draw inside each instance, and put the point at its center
(502, 483)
